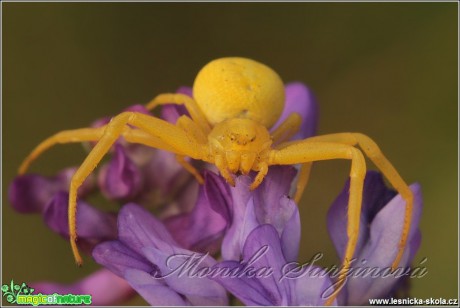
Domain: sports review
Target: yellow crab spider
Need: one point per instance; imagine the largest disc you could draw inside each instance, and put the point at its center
(235, 103)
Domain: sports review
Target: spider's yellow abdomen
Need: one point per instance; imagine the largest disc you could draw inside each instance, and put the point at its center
(230, 88)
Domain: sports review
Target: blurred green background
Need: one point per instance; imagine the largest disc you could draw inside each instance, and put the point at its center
(385, 69)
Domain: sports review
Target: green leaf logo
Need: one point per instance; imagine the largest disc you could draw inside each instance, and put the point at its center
(12, 291)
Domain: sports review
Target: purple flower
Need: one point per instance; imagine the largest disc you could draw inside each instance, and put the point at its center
(380, 231)
(144, 255)
(265, 233)
(203, 228)
(269, 203)
(31, 193)
(259, 280)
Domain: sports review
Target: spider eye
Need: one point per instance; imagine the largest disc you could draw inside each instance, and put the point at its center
(253, 138)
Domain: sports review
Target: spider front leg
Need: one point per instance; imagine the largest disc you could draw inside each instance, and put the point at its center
(306, 152)
(262, 172)
(221, 164)
(67, 136)
(169, 134)
(89, 135)
(371, 149)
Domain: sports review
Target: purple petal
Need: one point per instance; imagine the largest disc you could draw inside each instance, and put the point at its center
(137, 229)
(267, 196)
(104, 287)
(137, 271)
(249, 290)
(138, 108)
(185, 272)
(233, 241)
(119, 258)
(202, 229)
(290, 236)
(247, 225)
(272, 206)
(258, 280)
(163, 172)
(266, 237)
(218, 194)
(92, 225)
(152, 290)
(382, 247)
(300, 99)
(30, 193)
(121, 179)
(313, 288)
(172, 112)
(185, 90)
(100, 122)
(375, 196)
(181, 199)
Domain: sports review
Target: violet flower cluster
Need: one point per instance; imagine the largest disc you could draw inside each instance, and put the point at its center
(177, 243)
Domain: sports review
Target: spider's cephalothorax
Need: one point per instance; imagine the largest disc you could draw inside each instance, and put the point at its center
(235, 103)
(239, 145)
